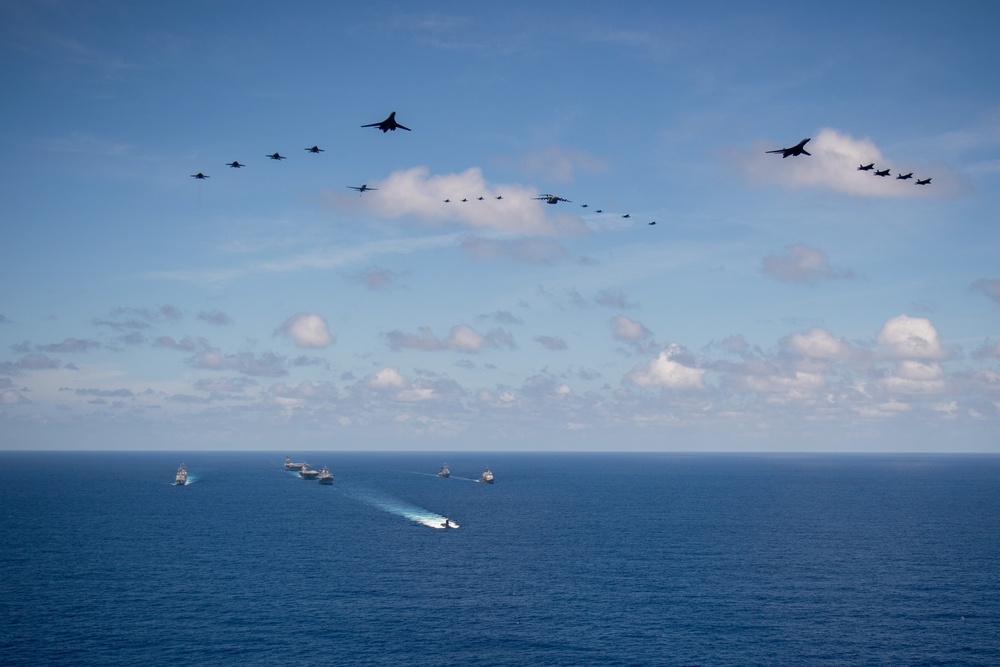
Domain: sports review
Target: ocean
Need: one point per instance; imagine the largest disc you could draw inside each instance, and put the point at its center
(568, 559)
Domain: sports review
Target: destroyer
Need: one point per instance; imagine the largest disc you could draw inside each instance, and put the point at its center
(444, 472)
(486, 477)
(182, 476)
(324, 476)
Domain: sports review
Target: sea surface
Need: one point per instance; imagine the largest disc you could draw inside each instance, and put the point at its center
(568, 559)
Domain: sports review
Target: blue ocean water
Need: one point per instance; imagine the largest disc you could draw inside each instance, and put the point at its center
(568, 559)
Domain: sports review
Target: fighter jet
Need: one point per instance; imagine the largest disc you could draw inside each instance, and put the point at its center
(447, 201)
(200, 176)
(388, 124)
(882, 173)
(499, 196)
(797, 149)
(276, 156)
(550, 199)
(903, 177)
(235, 165)
(598, 211)
(653, 222)
(315, 149)
(866, 167)
(361, 188)
(583, 205)
(925, 181)
(627, 215)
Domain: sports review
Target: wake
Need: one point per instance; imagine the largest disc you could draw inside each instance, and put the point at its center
(400, 508)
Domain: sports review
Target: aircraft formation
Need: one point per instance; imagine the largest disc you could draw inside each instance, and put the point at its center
(799, 149)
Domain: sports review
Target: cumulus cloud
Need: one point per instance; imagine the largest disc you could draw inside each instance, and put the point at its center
(307, 330)
(991, 288)
(915, 377)
(664, 371)
(798, 263)
(461, 338)
(267, 364)
(818, 343)
(834, 165)
(905, 337)
(628, 330)
(415, 192)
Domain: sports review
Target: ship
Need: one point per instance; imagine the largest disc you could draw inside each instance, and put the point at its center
(486, 477)
(291, 465)
(306, 473)
(325, 477)
(444, 472)
(182, 476)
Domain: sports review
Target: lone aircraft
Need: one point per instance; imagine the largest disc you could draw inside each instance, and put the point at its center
(388, 124)
(550, 199)
(797, 149)
(903, 177)
(926, 181)
(882, 173)
(361, 188)
(866, 167)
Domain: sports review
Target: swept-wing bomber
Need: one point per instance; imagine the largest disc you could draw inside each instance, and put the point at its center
(315, 149)
(276, 156)
(550, 199)
(361, 188)
(797, 149)
(903, 177)
(866, 167)
(388, 124)
(200, 176)
(234, 164)
(926, 181)
(882, 173)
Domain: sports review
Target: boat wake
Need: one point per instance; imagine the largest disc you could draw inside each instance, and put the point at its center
(403, 509)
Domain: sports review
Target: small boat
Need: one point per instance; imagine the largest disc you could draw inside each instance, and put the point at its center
(291, 465)
(486, 477)
(306, 473)
(444, 472)
(325, 477)
(182, 476)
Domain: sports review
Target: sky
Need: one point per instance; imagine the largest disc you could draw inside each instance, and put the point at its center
(778, 304)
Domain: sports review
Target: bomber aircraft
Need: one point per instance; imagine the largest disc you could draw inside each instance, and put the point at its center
(361, 188)
(276, 156)
(200, 176)
(315, 149)
(235, 165)
(882, 173)
(550, 199)
(926, 181)
(903, 177)
(797, 149)
(388, 124)
(866, 167)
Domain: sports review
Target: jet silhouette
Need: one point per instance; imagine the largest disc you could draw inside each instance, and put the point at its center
(550, 199)
(866, 167)
(361, 188)
(583, 206)
(200, 176)
(797, 149)
(315, 149)
(235, 165)
(653, 222)
(627, 215)
(925, 181)
(276, 156)
(882, 173)
(447, 201)
(388, 124)
(598, 211)
(903, 177)
(499, 196)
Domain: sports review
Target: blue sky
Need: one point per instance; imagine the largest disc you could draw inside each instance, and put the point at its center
(778, 304)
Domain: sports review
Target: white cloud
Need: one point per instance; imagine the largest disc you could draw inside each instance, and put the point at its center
(818, 343)
(386, 378)
(307, 330)
(627, 329)
(906, 337)
(798, 263)
(461, 338)
(665, 372)
(915, 377)
(414, 192)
